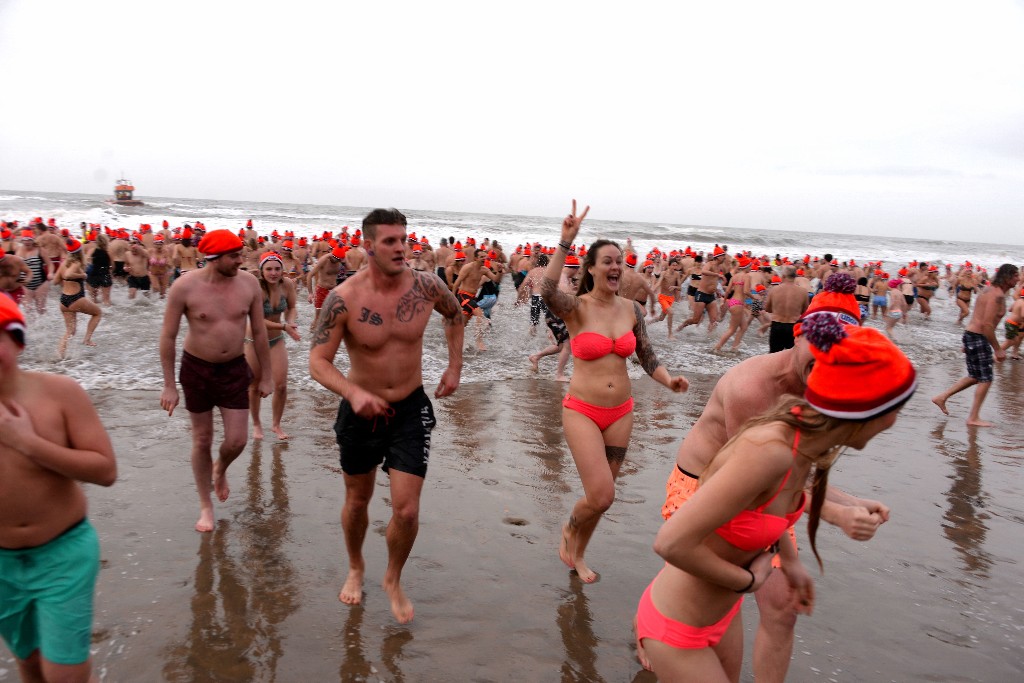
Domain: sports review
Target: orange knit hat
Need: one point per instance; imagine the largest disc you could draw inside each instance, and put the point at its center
(836, 297)
(858, 373)
(12, 320)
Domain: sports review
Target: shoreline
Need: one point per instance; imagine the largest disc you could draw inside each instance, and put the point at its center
(257, 598)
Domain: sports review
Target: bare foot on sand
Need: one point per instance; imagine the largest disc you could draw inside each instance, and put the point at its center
(352, 592)
(640, 654)
(62, 348)
(533, 364)
(280, 432)
(401, 606)
(257, 432)
(941, 403)
(89, 343)
(561, 378)
(979, 423)
(205, 522)
(586, 574)
(220, 482)
(566, 547)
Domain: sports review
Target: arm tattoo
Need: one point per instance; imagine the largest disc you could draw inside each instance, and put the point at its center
(425, 289)
(447, 305)
(558, 302)
(333, 307)
(644, 351)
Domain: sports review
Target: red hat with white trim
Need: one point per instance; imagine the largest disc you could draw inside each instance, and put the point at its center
(12, 320)
(858, 373)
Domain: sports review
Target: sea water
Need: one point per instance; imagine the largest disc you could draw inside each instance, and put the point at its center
(127, 355)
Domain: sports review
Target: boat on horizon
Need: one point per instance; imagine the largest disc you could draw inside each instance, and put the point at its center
(123, 194)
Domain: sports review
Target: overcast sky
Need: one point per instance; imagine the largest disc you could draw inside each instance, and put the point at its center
(890, 118)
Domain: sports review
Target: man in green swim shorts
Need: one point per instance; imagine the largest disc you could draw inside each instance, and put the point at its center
(50, 439)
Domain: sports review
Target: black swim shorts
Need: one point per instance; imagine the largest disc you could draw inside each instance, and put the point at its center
(980, 358)
(138, 282)
(780, 337)
(206, 384)
(400, 439)
(703, 298)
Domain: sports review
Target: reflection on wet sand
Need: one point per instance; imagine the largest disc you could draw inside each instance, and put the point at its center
(965, 518)
(575, 623)
(244, 588)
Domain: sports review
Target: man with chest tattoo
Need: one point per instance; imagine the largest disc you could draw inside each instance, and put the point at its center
(385, 416)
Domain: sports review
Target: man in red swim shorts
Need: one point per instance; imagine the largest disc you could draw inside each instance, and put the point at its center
(217, 301)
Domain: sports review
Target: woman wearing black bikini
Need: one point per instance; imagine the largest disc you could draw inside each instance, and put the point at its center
(71, 278)
(597, 413)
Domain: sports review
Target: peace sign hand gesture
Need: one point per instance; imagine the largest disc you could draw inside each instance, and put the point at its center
(571, 224)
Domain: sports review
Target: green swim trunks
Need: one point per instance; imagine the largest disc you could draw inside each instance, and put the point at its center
(46, 596)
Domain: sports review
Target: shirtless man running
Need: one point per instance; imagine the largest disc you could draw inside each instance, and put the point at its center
(217, 301)
(786, 303)
(385, 416)
(980, 341)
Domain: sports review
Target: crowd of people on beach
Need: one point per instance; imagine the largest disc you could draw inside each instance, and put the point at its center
(757, 458)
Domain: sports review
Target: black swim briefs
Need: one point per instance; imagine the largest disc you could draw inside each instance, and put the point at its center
(400, 440)
(206, 384)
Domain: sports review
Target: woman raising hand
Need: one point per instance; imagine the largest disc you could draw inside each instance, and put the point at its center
(597, 412)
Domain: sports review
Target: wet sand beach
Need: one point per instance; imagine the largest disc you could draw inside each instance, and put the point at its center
(934, 597)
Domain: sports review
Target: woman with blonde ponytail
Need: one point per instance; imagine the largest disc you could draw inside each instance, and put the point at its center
(720, 544)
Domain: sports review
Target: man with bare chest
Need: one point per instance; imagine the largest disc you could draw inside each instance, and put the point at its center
(385, 417)
(217, 301)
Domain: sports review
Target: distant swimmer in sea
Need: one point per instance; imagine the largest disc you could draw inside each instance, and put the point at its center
(217, 301)
(597, 412)
(981, 346)
(385, 416)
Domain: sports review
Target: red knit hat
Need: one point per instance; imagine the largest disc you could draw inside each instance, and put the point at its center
(631, 260)
(270, 256)
(836, 298)
(216, 243)
(12, 320)
(858, 373)
(73, 245)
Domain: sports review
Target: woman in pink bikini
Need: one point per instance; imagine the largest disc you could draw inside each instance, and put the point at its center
(597, 413)
(720, 543)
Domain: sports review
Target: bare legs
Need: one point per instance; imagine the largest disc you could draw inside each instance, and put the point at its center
(279, 370)
(71, 323)
(598, 472)
(36, 669)
(773, 643)
(974, 419)
(400, 535)
(210, 475)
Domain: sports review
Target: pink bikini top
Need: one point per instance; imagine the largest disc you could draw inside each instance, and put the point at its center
(755, 529)
(594, 345)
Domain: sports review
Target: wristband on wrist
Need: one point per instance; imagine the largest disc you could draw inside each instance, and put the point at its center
(749, 585)
(565, 245)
